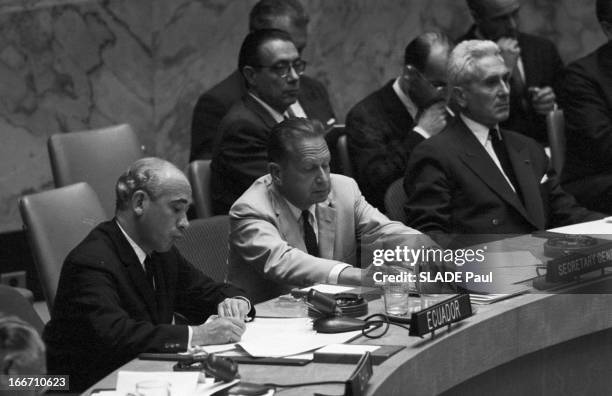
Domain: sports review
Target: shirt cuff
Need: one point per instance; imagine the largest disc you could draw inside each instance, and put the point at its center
(189, 338)
(332, 278)
(421, 132)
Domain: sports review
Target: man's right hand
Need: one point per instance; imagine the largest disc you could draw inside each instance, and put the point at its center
(218, 330)
(433, 118)
(351, 276)
(510, 51)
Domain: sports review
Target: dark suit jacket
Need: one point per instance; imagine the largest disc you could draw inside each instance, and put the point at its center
(106, 312)
(454, 187)
(241, 152)
(543, 67)
(214, 104)
(587, 103)
(380, 140)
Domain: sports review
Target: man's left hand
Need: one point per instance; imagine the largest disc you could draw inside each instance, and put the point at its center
(233, 308)
(542, 99)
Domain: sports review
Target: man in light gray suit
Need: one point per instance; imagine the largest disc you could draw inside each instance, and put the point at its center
(300, 225)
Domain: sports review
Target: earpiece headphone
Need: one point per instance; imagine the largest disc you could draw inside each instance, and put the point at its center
(219, 367)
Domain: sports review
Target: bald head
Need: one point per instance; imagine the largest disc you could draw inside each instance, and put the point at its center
(153, 197)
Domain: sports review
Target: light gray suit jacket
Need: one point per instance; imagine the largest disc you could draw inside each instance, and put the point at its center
(267, 252)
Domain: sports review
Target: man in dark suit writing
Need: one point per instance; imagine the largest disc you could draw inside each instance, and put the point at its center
(476, 178)
(120, 287)
(213, 105)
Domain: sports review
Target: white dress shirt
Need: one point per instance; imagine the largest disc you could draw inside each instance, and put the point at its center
(296, 108)
(142, 257)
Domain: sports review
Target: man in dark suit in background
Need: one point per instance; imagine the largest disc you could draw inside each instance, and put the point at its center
(476, 178)
(587, 103)
(120, 287)
(272, 68)
(384, 127)
(213, 105)
(534, 64)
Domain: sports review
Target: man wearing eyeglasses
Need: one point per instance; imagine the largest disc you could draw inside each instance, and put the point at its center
(271, 66)
(384, 127)
(534, 64)
(213, 105)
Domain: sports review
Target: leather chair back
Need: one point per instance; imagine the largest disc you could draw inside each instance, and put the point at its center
(343, 155)
(205, 245)
(199, 178)
(97, 157)
(55, 222)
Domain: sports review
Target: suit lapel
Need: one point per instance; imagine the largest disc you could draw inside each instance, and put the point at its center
(289, 226)
(259, 110)
(479, 161)
(395, 110)
(521, 163)
(135, 270)
(314, 101)
(308, 103)
(287, 223)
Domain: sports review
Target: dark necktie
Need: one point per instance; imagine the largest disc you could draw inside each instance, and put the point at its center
(309, 236)
(504, 159)
(150, 270)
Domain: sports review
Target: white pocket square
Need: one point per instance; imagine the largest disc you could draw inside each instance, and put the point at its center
(544, 179)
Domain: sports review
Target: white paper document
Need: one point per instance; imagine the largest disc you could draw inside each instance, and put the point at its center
(348, 349)
(329, 289)
(278, 337)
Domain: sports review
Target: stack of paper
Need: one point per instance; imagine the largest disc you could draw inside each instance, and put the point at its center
(483, 299)
(278, 337)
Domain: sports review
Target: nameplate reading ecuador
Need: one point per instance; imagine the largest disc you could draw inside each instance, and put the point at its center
(569, 267)
(442, 314)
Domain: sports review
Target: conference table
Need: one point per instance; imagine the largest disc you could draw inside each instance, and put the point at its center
(544, 343)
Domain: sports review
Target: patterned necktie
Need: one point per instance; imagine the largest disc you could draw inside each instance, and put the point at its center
(309, 236)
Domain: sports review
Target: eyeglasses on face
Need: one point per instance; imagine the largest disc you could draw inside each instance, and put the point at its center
(282, 69)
